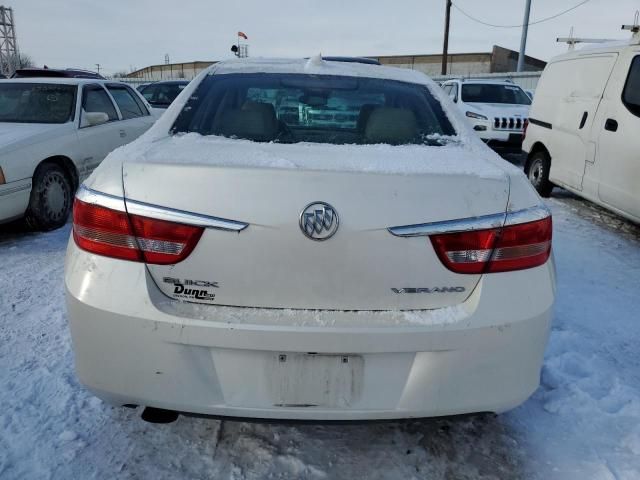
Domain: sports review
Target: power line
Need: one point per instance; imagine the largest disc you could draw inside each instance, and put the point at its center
(546, 19)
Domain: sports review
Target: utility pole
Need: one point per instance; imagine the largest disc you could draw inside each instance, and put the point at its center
(98, 65)
(523, 40)
(445, 46)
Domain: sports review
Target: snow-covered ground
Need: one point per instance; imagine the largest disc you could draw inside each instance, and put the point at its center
(582, 423)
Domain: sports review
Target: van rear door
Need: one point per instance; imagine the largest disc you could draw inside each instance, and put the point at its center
(618, 124)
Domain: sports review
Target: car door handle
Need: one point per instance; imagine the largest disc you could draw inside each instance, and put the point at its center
(584, 120)
(611, 125)
(123, 133)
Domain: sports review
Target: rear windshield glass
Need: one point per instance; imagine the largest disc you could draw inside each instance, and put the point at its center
(488, 93)
(292, 108)
(36, 102)
(162, 94)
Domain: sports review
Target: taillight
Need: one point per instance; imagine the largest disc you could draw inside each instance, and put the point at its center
(115, 234)
(513, 247)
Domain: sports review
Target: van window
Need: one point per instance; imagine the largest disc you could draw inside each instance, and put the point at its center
(631, 93)
(584, 77)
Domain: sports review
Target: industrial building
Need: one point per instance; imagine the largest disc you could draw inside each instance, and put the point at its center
(169, 71)
(499, 60)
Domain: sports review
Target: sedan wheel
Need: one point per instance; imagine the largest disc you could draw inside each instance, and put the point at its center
(51, 198)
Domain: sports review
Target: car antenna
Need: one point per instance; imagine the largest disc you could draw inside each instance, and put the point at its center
(314, 61)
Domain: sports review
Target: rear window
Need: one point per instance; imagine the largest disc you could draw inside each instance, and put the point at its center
(292, 108)
(162, 94)
(491, 93)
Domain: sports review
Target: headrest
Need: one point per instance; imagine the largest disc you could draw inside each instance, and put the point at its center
(391, 125)
(254, 121)
(363, 117)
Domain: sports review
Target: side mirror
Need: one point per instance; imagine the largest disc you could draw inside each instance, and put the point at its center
(89, 119)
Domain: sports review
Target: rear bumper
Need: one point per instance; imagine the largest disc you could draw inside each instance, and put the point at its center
(133, 345)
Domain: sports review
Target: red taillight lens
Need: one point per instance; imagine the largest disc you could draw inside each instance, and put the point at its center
(104, 231)
(514, 247)
(115, 234)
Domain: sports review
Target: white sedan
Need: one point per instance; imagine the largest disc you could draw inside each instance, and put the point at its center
(53, 133)
(310, 239)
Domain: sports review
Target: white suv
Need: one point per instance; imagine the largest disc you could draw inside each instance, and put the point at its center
(53, 133)
(497, 110)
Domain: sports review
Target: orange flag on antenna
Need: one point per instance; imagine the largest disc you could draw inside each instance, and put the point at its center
(243, 35)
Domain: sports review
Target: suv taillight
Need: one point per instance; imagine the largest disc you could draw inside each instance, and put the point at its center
(115, 234)
(513, 247)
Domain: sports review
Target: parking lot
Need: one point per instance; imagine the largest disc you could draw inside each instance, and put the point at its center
(583, 421)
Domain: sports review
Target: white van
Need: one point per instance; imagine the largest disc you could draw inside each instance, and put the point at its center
(584, 127)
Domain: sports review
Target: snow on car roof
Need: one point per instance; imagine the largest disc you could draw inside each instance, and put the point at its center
(318, 66)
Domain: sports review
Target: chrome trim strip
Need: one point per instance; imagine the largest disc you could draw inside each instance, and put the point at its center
(107, 200)
(527, 215)
(449, 226)
(136, 207)
(474, 223)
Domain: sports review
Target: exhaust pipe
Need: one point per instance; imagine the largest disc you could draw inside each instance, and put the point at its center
(159, 415)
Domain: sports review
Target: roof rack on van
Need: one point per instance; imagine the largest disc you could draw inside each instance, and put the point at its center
(635, 29)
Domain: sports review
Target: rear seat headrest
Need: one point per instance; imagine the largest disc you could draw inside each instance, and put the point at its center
(391, 125)
(363, 117)
(254, 121)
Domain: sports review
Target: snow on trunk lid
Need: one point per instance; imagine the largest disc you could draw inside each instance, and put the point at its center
(273, 264)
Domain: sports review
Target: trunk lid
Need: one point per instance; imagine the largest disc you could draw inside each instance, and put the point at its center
(272, 263)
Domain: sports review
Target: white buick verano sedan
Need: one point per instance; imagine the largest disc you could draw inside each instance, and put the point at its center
(310, 239)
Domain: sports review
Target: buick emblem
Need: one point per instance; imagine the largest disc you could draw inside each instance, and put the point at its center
(319, 221)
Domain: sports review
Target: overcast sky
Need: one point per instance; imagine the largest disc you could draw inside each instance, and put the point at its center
(126, 34)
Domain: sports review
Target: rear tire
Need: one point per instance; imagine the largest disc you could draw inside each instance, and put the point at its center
(538, 173)
(51, 198)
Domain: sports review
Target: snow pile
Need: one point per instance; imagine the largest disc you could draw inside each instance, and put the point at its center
(218, 151)
(317, 66)
(315, 318)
